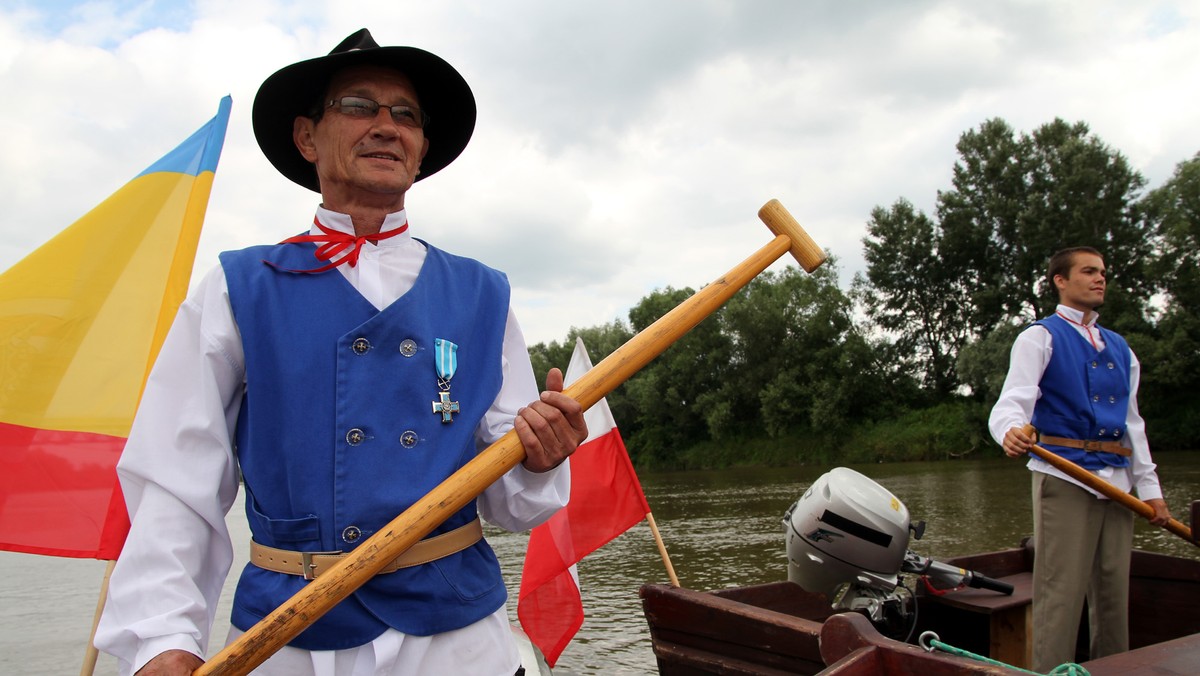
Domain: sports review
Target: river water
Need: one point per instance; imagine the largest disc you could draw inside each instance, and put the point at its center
(722, 529)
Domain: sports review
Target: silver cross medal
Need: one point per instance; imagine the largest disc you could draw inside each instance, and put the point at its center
(444, 406)
(445, 358)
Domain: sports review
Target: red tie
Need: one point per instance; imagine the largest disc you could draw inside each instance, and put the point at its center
(334, 242)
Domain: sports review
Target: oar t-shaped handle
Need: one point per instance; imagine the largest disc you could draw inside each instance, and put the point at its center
(803, 248)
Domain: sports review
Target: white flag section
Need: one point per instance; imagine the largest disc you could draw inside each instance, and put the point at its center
(606, 500)
(599, 417)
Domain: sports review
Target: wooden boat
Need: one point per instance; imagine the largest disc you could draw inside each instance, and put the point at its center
(778, 628)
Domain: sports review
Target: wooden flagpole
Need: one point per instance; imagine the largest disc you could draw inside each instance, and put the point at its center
(662, 549)
(91, 655)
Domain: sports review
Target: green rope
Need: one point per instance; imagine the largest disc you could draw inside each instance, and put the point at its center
(929, 641)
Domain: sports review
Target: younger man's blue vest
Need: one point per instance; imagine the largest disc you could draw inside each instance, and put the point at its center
(337, 434)
(1085, 393)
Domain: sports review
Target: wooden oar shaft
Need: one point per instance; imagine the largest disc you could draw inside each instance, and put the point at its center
(1106, 489)
(322, 594)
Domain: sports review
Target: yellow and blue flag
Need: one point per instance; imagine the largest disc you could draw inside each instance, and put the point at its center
(81, 321)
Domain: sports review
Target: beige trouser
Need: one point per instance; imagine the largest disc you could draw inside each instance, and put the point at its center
(1081, 548)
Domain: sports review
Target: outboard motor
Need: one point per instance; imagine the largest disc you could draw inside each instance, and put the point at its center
(846, 529)
(847, 538)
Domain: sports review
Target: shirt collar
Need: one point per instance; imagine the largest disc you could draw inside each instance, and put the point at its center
(342, 223)
(1077, 315)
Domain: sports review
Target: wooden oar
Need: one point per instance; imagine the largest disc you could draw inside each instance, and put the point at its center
(1104, 488)
(322, 594)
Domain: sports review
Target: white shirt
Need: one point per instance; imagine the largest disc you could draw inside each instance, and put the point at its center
(179, 476)
(1030, 354)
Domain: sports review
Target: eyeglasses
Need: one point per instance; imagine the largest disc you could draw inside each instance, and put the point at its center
(357, 106)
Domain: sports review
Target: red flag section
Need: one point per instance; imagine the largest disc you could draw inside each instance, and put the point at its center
(606, 500)
(81, 321)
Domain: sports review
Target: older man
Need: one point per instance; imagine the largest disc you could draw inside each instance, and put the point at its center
(342, 374)
(1077, 383)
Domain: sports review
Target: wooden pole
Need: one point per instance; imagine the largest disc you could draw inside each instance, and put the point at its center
(1104, 488)
(90, 655)
(662, 549)
(322, 594)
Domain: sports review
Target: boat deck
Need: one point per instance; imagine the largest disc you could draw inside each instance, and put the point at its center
(1179, 657)
(852, 646)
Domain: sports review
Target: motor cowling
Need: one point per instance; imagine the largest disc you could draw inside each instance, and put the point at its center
(846, 529)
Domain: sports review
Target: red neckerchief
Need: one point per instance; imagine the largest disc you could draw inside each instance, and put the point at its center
(334, 242)
(1085, 328)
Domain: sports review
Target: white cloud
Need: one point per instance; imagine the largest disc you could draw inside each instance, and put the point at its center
(622, 146)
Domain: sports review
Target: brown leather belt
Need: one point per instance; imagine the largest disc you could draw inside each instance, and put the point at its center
(1114, 447)
(311, 564)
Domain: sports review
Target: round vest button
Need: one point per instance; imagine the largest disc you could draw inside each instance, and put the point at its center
(408, 347)
(351, 534)
(360, 346)
(355, 437)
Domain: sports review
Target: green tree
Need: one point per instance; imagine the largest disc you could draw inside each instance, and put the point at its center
(663, 400)
(798, 363)
(983, 364)
(1170, 359)
(916, 294)
(1172, 213)
(936, 286)
(1017, 199)
(979, 215)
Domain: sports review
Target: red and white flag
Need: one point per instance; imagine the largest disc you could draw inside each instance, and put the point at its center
(606, 500)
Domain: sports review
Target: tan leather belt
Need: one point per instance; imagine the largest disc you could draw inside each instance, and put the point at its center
(311, 564)
(1114, 447)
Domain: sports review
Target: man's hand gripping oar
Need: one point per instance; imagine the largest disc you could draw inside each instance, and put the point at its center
(323, 593)
(1018, 441)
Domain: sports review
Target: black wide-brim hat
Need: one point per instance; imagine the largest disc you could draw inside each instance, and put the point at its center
(295, 90)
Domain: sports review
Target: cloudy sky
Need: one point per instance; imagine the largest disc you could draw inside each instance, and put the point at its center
(622, 146)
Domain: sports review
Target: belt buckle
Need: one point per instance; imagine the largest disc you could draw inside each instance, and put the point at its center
(308, 569)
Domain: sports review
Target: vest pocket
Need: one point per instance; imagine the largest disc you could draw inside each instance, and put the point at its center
(472, 573)
(278, 531)
(1061, 426)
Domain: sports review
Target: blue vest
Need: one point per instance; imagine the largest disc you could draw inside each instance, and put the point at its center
(1085, 393)
(337, 434)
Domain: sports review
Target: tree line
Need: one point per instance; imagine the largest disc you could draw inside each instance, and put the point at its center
(906, 363)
